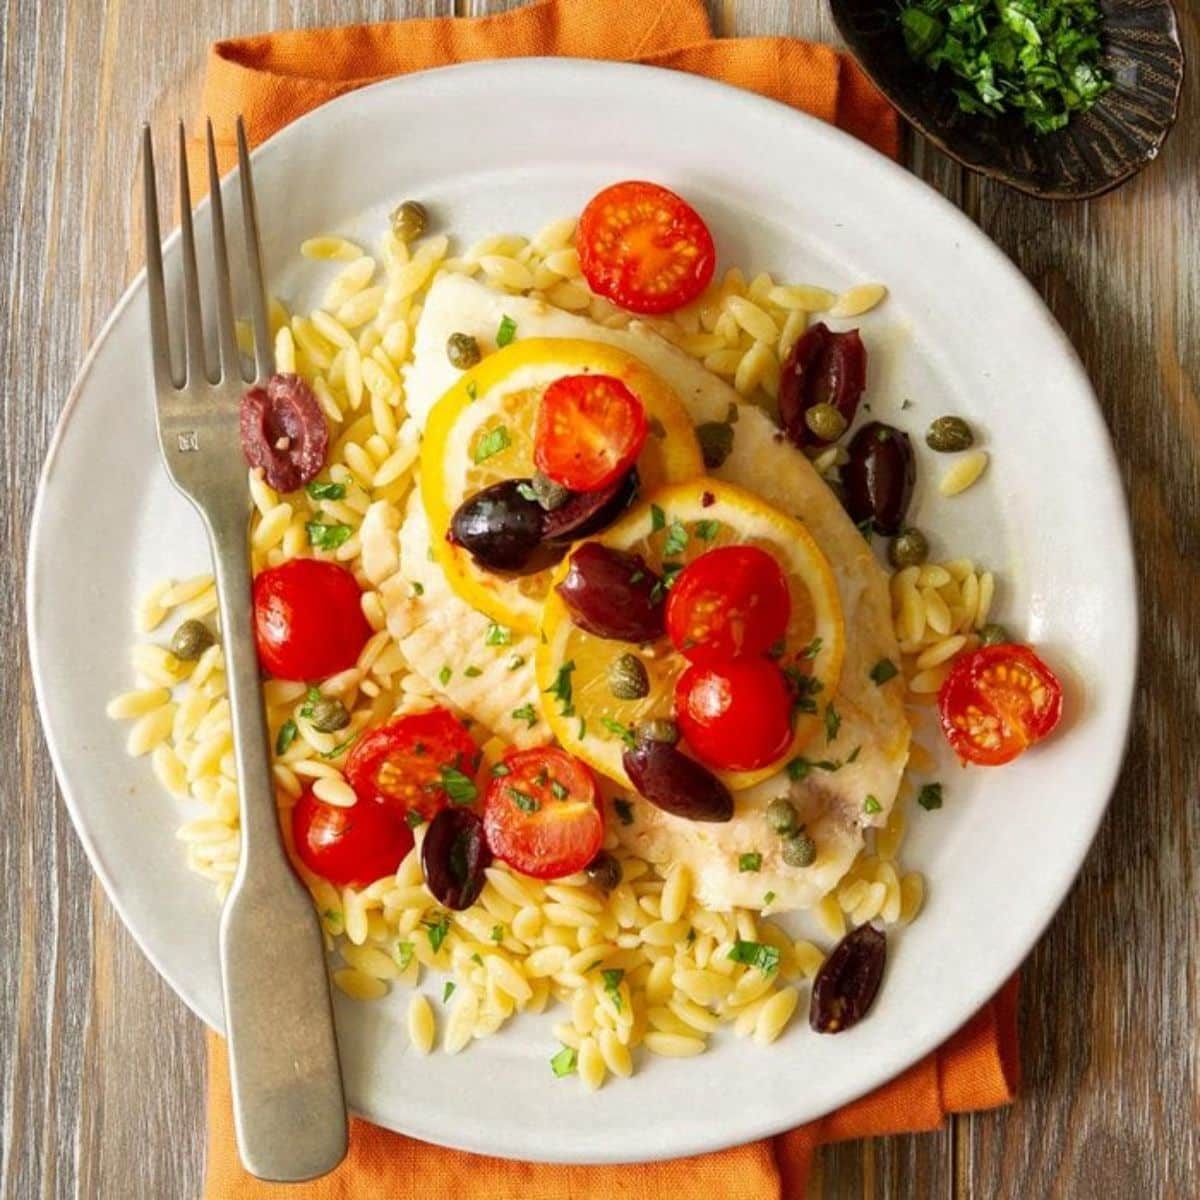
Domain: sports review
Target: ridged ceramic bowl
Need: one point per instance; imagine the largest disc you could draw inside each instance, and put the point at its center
(1096, 151)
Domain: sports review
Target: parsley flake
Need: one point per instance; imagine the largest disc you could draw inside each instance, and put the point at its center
(448, 990)
(526, 713)
(617, 729)
(658, 519)
(563, 1063)
(755, 954)
(472, 672)
(459, 787)
(497, 635)
(326, 491)
(884, 670)
(872, 806)
(833, 722)
(560, 689)
(436, 930)
(472, 390)
(750, 862)
(506, 331)
(327, 537)
(523, 800)
(677, 539)
(612, 986)
(287, 735)
(418, 589)
(707, 530)
(491, 443)
(930, 797)
(414, 819)
(768, 898)
(497, 934)
(444, 676)
(403, 953)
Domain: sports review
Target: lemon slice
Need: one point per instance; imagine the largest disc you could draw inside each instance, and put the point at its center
(675, 525)
(481, 432)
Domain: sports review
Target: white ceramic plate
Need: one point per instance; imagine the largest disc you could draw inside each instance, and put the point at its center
(505, 146)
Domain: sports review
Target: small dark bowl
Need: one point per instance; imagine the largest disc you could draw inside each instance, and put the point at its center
(1096, 151)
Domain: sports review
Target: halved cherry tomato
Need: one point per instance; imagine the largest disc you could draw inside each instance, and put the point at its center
(735, 715)
(540, 813)
(645, 248)
(588, 432)
(308, 619)
(997, 702)
(351, 847)
(413, 763)
(729, 602)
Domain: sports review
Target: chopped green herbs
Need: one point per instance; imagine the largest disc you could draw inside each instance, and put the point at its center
(491, 443)
(853, 755)
(750, 862)
(444, 676)
(558, 791)
(884, 670)
(801, 768)
(872, 806)
(436, 931)
(499, 770)
(526, 713)
(418, 589)
(507, 331)
(403, 954)
(472, 672)
(327, 537)
(707, 530)
(560, 689)
(516, 662)
(617, 729)
(755, 954)
(930, 797)
(497, 635)
(527, 491)
(311, 699)
(286, 736)
(833, 722)
(339, 749)
(624, 811)
(326, 491)
(677, 539)
(523, 800)
(563, 1063)
(612, 986)
(497, 934)
(768, 898)
(658, 519)
(448, 990)
(472, 390)
(414, 819)
(1038, 58)
(459, 787)
(812, 649)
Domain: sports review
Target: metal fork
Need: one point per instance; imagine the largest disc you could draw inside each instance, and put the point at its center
(289, 1109)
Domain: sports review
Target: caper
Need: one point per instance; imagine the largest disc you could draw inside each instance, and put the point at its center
(948, 434)
(329, 715)
(408, 221)
(191, 640)
(462, 350)
(604, 871)
(627, 678)
(658, 729)
(716, 442)
(550, 495)
(799, 850)
(826, 422)
(909, 549)
(993, 634)
(781, 815)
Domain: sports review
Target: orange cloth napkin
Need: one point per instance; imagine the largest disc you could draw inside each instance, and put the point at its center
(274, 78)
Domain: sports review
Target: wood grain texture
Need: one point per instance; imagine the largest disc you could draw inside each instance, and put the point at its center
(101, 1071)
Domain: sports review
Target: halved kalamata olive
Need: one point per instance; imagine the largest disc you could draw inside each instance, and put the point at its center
(848, 981)
(879, 477)
(613, 594)
(823, 368)
(284, 432)
(454, 857)
(500, 527)
(586, 513)
(677, 784)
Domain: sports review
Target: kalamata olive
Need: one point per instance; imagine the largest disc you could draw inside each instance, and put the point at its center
(848, 981)
(500, 527)
(605, 871)
(823, 368)
(879, 477)
(284, 432)
(585, 513)
(613, 594)
(454, 857)
(677, 784)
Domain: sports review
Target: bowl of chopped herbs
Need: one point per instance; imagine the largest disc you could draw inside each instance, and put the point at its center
(1062, 99)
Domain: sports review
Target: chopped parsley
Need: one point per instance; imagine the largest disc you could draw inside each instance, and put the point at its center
(459, 787)
(523, 800)
(340, 748)
(612, 986)
(768, 898)
(472, 390)
(930, 797)
(805, 687)
(491, 443)
(286, 736)
(448, 990)
(872, 806)
(444, 676)
(563, 1063)
(311, 698)
(884, 670)
(1039, 58)
(558, 791)
(755, 954)
(750, 862)
(414, 819)
(436, 931)
(327, 537)
(527, 491)
(526, 713)
(560, 689)
(707, 530)
(624, 811)
(418, 588)
(516, 662)
(499, 770)
(472, 672)
(853, 755)
(332, 916)
(617, 729)
(506, 331)
(677, 539)
(812, 649)
(403, 954)
(497, 933)
(801, 768)
(497, 635)
(833, 722)
(658, 519)
(326, 491)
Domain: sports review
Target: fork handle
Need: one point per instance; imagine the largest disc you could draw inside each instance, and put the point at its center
(288, 1104)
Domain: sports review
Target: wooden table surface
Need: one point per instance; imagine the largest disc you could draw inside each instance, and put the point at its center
(101, 1066)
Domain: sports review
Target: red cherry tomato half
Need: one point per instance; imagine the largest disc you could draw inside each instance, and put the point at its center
(997, 702)
(417, 763)
(541, 814)
(730, 602)
(351, 847)
(588, 432)
(308, 619)
(645, 248)
(735, 715)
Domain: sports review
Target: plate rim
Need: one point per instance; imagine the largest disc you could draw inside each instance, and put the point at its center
(510, 69)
